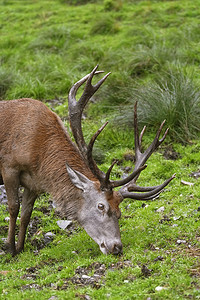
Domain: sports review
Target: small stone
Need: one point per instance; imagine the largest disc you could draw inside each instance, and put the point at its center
(161, 209)
(173, 259)
(159, 288)
(128, 207)
(49, 234)
(53, 286)
(63, 224)
(176, 218)
(181, 242)
(85, 277)
(126, 281)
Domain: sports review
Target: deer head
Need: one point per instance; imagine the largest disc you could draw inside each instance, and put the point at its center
(100, 211)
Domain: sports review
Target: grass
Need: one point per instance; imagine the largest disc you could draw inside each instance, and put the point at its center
(149, 238)
(48, 45)
(48, 34)
(173, 97)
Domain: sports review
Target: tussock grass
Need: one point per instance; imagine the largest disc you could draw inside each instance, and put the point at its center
(174, 98)
(110, 5)
(105, 25)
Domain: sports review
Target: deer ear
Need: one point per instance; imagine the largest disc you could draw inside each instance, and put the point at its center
(78, 179)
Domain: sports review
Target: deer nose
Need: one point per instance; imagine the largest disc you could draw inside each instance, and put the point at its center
(117, 249)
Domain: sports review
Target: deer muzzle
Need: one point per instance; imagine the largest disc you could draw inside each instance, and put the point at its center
(111, 248)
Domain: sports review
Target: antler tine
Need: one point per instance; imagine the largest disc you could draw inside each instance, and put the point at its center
(141, 135)
(126, 180)
(107, 177)
(136, 132)
(91, 162)
(91, 89)
(101, 81)
(148, 195)
(141, 158)
(75, 87)
(136, 188)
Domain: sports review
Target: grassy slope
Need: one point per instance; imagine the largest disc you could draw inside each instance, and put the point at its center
(45, 47)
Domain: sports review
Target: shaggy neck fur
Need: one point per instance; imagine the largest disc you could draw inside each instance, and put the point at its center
(55, 152)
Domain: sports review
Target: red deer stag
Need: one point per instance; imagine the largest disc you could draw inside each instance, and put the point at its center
(37, 153)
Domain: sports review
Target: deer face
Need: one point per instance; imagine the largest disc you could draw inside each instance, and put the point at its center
(98, 213)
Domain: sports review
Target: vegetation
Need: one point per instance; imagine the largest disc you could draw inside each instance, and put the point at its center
(173, 98)
(152, 50)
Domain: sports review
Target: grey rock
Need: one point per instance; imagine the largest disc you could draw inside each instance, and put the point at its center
(181, 242)
(63, 224)
(160, 209)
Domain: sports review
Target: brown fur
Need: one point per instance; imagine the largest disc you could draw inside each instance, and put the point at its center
(114, 198)
(34, 150)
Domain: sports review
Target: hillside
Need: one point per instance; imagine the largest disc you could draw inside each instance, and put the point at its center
(151, 49)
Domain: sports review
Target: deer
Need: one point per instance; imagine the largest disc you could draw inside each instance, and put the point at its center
(38, 154)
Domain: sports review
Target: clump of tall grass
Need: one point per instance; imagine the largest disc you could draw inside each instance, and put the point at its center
(105, 25)
(174, 98)
(148, 59)
(110, 5)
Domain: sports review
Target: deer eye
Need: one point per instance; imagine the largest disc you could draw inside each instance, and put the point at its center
(101, 206)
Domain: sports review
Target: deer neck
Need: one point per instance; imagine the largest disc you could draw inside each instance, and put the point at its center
(53, 176)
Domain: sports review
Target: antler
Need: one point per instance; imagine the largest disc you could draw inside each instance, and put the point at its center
(75, 115)
(140, 159)
(129, 183)
(154, 191)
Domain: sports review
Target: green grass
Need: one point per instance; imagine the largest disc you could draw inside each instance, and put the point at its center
(146, 235)
(60, 43)
(45, 46)
(173, 97)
